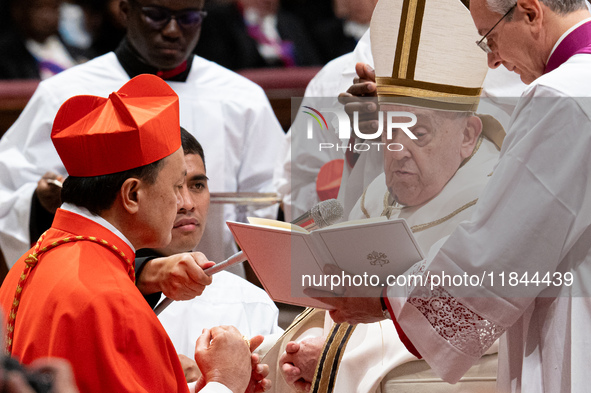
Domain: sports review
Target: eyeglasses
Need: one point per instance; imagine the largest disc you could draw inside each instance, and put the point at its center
(159, 17)
(483, 43)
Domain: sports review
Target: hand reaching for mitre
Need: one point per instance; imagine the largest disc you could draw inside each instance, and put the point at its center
(361, 98)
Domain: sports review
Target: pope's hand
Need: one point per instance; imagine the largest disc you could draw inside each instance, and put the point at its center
(298, 362)
(355, 304)
(179, 277)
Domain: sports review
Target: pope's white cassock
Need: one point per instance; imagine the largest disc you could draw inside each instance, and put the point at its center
(373, 351)
(534, 217)
(229, 115)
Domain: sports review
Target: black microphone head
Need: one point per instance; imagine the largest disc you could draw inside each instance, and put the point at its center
(327, 212)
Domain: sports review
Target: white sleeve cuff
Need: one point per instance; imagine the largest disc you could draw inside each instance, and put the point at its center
(212, 387)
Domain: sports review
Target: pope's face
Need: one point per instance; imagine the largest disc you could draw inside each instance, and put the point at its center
(192, 213)
(160, 201)
(423, 167)
(167, 47)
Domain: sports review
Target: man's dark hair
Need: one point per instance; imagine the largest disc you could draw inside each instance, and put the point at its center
(98, 193)
(191, 145)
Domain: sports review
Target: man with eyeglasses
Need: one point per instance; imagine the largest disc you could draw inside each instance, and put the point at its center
(228, 113)
(531, 229)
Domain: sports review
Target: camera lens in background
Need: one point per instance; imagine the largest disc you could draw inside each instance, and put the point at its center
(39, 382)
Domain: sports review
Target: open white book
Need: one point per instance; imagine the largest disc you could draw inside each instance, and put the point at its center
(287, 259)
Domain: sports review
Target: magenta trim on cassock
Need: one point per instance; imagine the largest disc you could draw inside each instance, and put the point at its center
(578, 41)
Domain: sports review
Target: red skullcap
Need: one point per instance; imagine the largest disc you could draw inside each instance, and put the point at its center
(135, 126)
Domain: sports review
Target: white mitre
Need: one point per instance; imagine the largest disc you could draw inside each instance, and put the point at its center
(425, 51)
(425, 54)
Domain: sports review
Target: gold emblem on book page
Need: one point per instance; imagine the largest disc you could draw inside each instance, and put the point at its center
(377, 258)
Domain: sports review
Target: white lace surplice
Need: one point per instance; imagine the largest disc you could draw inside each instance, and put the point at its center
(533, 217)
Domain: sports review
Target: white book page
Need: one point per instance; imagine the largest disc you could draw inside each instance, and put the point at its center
(279, 257)
(382, 248)
(267, 222)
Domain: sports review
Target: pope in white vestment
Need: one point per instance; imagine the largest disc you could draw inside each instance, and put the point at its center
(368, 357)
(372, 352)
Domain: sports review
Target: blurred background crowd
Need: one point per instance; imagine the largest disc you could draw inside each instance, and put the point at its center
(39, 38)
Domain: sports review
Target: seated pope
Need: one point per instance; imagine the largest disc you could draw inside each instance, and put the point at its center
(433, 182)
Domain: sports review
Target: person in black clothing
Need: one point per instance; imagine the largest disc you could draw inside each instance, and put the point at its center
(29, 40)
(337, 36)
(255, 34)
(104, 23)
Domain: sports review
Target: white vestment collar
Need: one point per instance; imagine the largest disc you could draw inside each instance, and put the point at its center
(81, 211)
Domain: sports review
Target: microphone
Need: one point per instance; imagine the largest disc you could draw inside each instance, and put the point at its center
(321, 215)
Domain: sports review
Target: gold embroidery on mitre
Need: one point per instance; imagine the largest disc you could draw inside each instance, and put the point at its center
(407, 40)
(409, 36)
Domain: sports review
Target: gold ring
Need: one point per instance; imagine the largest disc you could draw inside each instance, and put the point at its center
(247, 341)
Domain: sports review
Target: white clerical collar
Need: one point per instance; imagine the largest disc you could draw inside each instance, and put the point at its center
(564, 36)
(84, 212)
